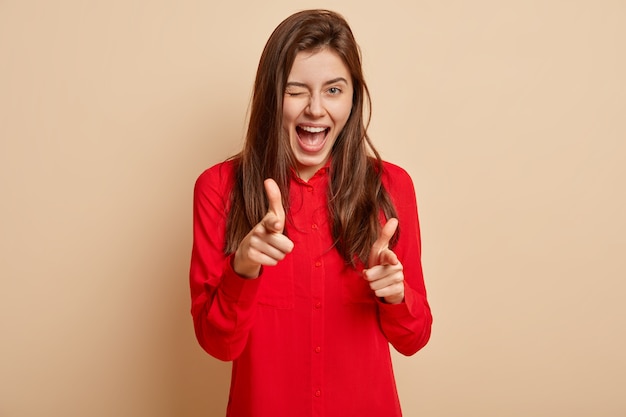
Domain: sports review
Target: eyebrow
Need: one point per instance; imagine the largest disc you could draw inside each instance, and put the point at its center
(333, 81)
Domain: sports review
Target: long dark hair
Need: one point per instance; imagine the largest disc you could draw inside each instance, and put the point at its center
(356, 195)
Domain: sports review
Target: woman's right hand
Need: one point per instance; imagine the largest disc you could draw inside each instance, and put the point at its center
(265, 244)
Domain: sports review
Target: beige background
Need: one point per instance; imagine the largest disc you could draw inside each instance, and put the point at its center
(509, 115)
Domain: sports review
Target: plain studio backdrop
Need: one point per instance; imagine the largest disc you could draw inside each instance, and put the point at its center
(509, 115)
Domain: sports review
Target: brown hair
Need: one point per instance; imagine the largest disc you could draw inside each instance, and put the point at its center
(355, 195)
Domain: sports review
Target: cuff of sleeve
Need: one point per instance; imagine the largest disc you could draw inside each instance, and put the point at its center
(237, 288)
(404, 309)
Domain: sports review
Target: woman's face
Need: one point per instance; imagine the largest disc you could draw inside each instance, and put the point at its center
(316, 107)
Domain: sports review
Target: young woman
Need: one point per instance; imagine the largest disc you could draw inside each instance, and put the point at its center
(306, 255)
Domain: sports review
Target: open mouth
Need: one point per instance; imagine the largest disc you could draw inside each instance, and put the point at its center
(311, 138)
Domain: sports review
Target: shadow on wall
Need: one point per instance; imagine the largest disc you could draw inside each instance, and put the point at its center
(192, 383)
(197, 383)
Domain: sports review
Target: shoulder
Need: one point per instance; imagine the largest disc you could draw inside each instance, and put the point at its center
(217, 179)
(400, 187)
(396, 178)
(220, 173)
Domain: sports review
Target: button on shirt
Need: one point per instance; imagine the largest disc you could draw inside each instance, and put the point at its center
(308, 337)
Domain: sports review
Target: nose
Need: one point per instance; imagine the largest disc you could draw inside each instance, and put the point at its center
(316, 106)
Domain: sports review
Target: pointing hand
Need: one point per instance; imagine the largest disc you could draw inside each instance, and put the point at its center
(385, 273)
(265, 244)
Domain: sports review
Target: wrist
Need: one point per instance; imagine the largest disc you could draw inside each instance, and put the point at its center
(394, 299)
(244, 269)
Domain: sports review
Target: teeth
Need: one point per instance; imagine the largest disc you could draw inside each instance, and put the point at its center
(311, 129)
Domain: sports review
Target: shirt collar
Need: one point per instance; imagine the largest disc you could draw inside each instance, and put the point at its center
(321, 173)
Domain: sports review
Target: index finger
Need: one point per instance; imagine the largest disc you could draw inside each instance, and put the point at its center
(274, 198)
(382, 243)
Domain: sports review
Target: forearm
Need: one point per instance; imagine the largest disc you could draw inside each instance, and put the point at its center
(223, 314)
(407, 325)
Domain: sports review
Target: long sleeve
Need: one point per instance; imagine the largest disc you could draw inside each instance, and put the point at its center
(222, 303)
(407, 325)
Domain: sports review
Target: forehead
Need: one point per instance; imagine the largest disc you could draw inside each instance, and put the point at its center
(318, 64)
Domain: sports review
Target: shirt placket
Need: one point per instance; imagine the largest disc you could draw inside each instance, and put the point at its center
(315, 200)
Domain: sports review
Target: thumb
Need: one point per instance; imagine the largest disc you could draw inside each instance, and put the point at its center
(275, 218)
(382, 243)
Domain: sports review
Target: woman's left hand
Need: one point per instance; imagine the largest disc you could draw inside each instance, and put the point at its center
(385, 273)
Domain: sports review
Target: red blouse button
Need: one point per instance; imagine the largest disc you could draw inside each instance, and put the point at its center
(318, 393)
(314, 226)
(318, 264)
(317, 305)
(318, 349)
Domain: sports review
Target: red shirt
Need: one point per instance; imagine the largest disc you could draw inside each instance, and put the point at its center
(308, 337)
